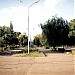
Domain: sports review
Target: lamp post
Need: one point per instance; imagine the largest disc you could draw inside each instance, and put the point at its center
(28, 18)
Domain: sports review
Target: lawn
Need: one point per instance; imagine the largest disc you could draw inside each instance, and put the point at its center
(31, 54)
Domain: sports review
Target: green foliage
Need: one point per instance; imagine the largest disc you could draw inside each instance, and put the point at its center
(23, 39)
(56, 31)
(11, 27)
(9, 37)
(31, 49)
(37, 40)
(73, 52)
(32, 54)
(40, 39)
(72, 32)
(72, 27)
(1, 50)
(1, 41)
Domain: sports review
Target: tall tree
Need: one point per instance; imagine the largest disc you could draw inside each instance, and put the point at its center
(23, 39)
(11, 27)
(72, 32)
(72, 27)
(55, 30)
(40, 39)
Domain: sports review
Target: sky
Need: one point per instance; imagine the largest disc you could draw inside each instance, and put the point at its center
(17, 12)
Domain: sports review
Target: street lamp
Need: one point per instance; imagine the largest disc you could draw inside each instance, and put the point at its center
(28, 18)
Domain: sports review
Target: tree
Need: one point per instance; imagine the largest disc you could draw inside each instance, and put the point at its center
(40, 40)
(1, 41)
(8, 36)
(11, 38)
(72, 27)
(11, 27)
(55, 30)
(36, 41)
(72, 32)
(23, 39)
(1, 31)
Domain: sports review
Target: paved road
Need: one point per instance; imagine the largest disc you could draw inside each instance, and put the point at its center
(48, 52)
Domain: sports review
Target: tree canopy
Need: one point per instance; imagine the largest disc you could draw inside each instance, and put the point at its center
(72, 27)
(72, 32)
(56, 31)
(9, 37)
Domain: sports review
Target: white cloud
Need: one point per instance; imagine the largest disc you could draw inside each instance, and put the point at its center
(51, 3)
(19, 9)
(5, 11)
(19, 18)
(15, 14)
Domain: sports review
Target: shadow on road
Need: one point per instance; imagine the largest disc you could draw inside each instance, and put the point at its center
(50, 51)
(40, 49)
(6, 53)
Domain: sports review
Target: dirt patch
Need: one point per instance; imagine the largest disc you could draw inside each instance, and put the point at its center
(54, 64)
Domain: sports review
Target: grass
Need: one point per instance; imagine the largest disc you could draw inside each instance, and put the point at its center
(31, 54)
(73, 52)
(32, 49)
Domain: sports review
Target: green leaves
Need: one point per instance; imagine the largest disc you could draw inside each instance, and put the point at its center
(23, 39)
(72, 27)
(9, 37)
(55, 30)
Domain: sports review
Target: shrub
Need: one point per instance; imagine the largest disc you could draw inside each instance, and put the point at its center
(31, 49)
(73, 52)
(1, 49)
(31, 54)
